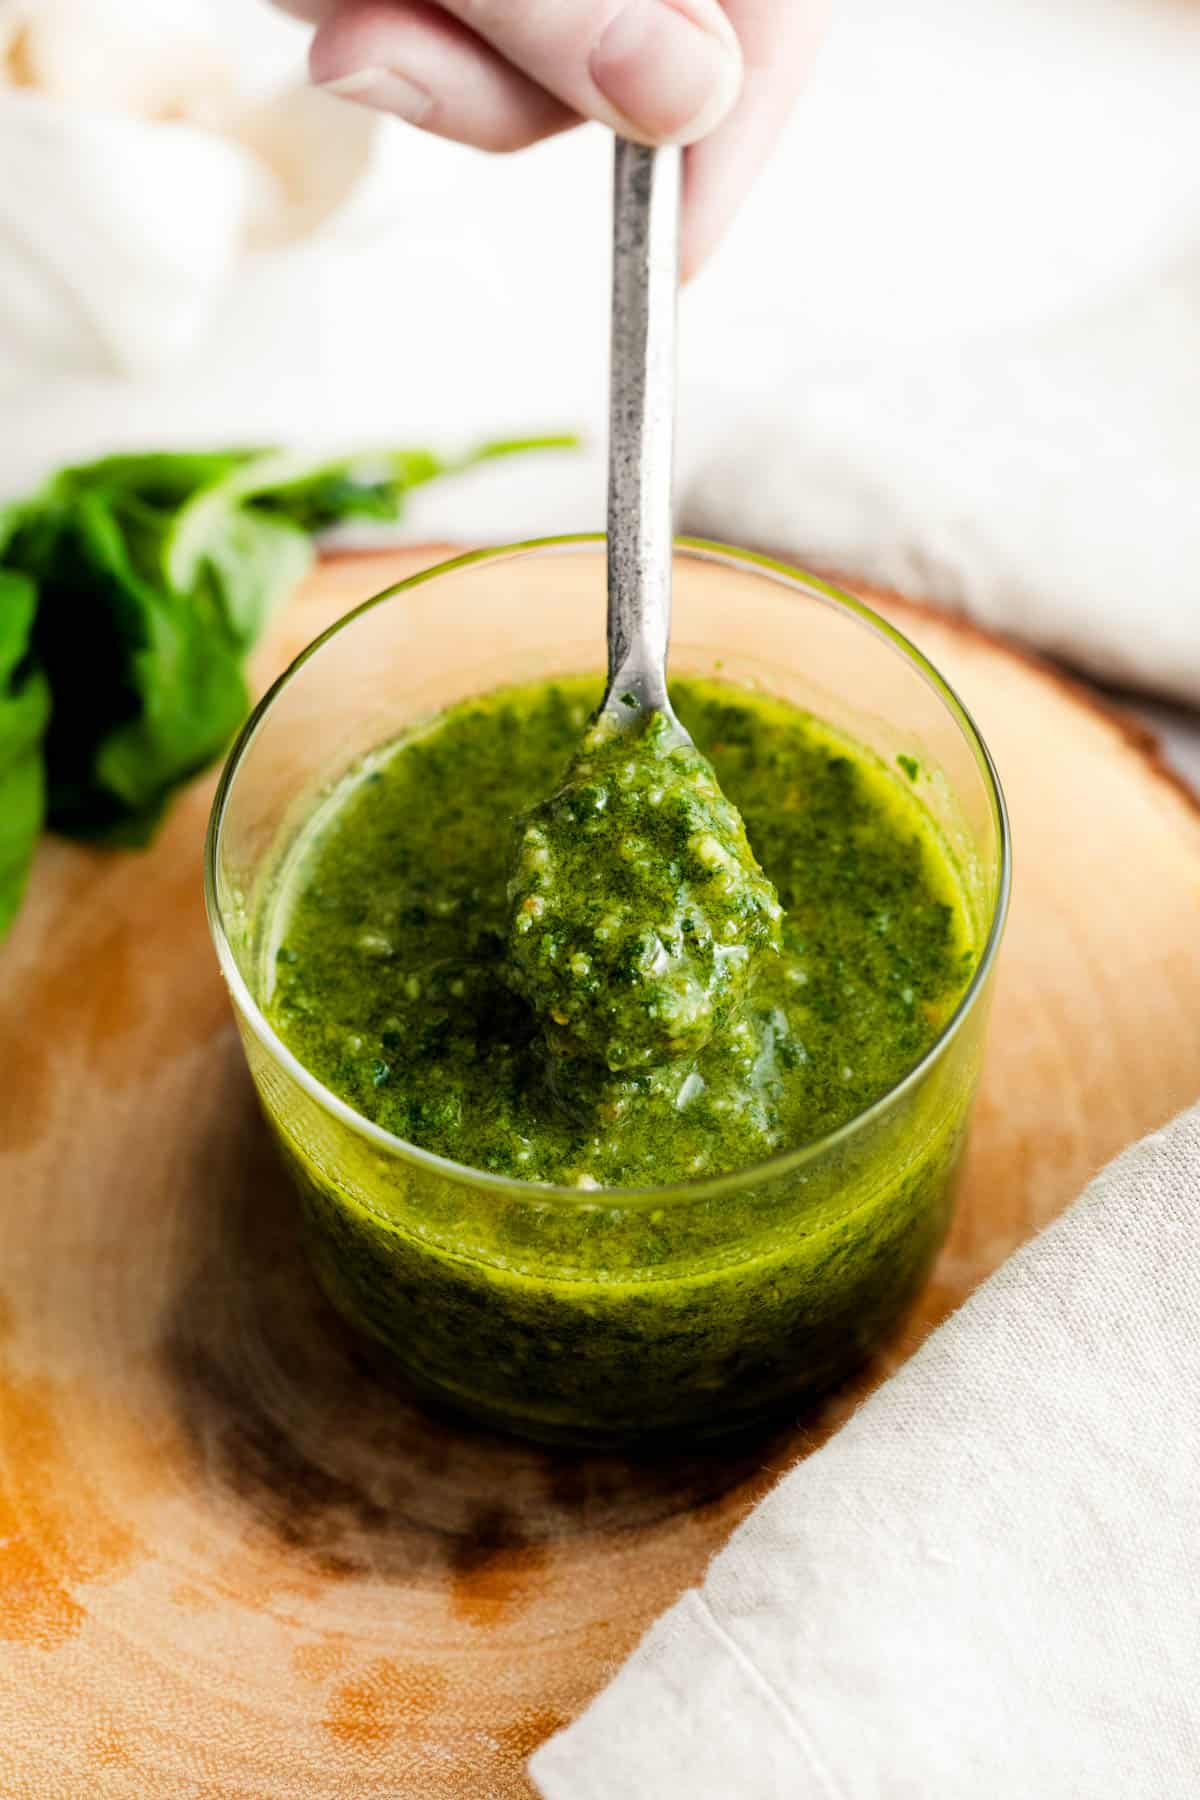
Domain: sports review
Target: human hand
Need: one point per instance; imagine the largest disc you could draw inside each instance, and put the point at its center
(501, 74)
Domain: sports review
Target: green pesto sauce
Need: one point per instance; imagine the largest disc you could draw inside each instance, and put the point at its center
(603, 1317)
(638, 909)
(690, 1031)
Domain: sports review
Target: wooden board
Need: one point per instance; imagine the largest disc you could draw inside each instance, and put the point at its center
(236, 1562)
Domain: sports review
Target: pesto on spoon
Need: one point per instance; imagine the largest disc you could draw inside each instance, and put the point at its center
(637, 909)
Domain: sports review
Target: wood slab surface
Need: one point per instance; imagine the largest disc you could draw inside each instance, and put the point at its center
(234, 1559)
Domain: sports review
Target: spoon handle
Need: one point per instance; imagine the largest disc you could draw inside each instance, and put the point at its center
(645, 282)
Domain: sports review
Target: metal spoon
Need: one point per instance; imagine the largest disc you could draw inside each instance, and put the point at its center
(645, 283)
(637, 970)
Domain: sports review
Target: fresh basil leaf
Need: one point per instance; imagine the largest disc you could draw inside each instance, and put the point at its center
(147, 682)
(158, 478)
(359, 487)
(130, 591)
(24, 711)
(493, 448)
(319, 493)
(250, 567)
(289, 489)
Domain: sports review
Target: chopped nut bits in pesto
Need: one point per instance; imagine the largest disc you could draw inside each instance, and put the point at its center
(397, 949)
(638, 911)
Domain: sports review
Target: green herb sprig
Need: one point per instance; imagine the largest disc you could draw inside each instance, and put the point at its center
(131, 590)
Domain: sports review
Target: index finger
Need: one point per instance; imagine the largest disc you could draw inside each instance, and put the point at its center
(661, 71)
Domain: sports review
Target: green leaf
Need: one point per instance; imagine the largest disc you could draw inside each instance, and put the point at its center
(147, 682)
(360, 487)
(156, 478)
(130, 590)
(250, 566)
(24, 711)
(497, 447)
(315, 494)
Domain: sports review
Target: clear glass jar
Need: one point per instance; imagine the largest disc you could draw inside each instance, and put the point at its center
(607, 1316)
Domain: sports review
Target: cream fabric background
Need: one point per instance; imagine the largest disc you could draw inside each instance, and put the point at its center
(953, 343)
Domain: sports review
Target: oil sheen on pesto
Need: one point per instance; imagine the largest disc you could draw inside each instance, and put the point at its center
(694, 1004)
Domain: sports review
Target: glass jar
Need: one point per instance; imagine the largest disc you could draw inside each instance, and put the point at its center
(610, 1315)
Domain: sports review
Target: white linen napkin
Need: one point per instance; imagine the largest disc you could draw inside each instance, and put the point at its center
(154, 168)
(1042, 481)
(987, 1585)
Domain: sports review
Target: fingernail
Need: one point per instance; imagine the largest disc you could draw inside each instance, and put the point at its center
(386, 90)
(669, 77)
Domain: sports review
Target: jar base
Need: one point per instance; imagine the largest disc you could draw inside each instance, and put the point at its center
(783, 1410)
